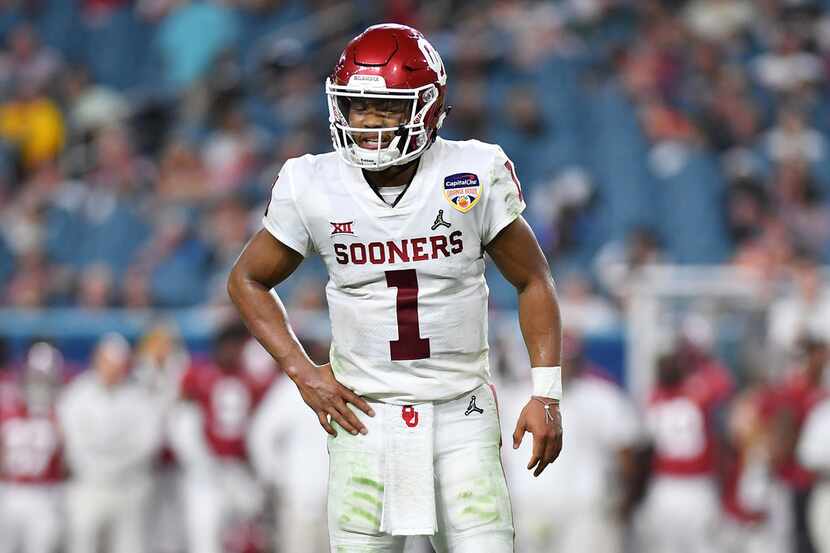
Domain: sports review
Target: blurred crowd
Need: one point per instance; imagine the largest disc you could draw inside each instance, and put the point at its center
(139, 139)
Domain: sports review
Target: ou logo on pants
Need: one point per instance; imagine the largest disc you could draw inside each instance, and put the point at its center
(409, 416)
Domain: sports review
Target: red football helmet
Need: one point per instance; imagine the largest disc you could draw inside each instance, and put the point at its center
(392, 62)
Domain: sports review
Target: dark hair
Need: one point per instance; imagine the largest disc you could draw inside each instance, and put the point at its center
(4, 352)
(811, 343)
(231, 332)
(670, 370)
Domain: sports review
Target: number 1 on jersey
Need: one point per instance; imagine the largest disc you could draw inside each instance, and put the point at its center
(409, 345)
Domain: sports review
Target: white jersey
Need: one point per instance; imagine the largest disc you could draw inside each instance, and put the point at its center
(406, 291)
(112, 434)
(813, 446)
(601, 421)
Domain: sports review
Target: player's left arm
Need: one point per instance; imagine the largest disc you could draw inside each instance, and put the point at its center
(520, 259)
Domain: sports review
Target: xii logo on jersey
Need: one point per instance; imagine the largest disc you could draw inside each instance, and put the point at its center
(462, 190)
(342, 228)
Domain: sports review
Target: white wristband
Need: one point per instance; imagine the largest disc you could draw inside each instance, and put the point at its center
(547, 382)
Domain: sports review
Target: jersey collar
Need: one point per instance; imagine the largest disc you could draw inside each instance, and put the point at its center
(414, 196)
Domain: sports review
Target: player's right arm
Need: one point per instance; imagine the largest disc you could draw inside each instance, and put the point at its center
(264, 263)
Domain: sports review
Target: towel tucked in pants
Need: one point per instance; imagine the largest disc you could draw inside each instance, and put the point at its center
(472, 507)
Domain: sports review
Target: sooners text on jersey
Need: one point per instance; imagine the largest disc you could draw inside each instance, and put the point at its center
(406, 292)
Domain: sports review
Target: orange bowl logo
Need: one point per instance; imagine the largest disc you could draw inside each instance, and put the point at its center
(462, 190)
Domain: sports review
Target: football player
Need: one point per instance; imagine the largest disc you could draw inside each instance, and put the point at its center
(594, 477)
(220, 489)
(31, 458)
(785, 408)
(284, 443)
(112, 434)
(814, 454)
(681, 509)
(161, 360)
(402, 220)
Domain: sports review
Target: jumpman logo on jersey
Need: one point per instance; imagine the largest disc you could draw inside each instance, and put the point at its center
(473, 408)
(439, 220)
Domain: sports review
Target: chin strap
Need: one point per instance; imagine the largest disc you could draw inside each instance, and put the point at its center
(385, 156)
(442, 117)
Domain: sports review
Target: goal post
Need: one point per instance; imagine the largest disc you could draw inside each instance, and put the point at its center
(723, 305)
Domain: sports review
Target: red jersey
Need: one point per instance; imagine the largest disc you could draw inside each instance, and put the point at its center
(9, 391)
(227, 401)
(681, 421)
(797, 396)
(30, 447)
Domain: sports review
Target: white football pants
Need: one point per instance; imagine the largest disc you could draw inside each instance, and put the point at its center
(819, 517)
(773, 535)
(166, 516)
(301, 525)
(679, 515)
(30, 518)
(119, 508)
(466, 457)
(560, 530)
(214, 497)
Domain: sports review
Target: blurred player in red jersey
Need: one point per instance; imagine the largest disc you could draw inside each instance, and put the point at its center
(31, 466)
(785, 408)
(681, 508)
(753, 503)
(220, 488)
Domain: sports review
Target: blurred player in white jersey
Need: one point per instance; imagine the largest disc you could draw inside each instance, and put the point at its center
(31, 460)
(814, 454)
(584, 500)
(112, 429)
(402, 220)
(287, 448)
(161, 360)
(220, 490)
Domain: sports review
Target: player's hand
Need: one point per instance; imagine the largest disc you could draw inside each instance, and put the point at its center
(546, 430)
(328, 398)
